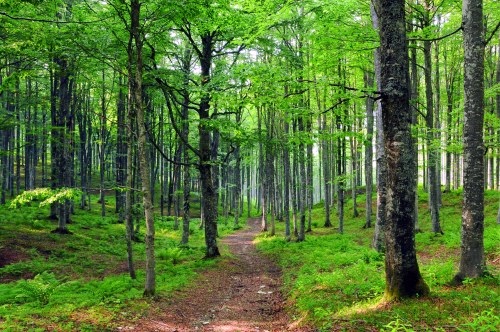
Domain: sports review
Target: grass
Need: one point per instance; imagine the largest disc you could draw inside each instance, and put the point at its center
(80, 281)
(336, 282)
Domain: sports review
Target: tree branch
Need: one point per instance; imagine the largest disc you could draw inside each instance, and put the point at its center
(41, 20)
(486, 42)
(438, 38)
(160, 150)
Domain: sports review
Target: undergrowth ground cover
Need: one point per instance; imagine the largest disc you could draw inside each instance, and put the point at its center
(336, 281)
(80, 282)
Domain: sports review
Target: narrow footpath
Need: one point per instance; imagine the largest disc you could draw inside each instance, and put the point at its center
(241, 294)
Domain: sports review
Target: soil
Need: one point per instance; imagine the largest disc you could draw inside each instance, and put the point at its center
(243, 293)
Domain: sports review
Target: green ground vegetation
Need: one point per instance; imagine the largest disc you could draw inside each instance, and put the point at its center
(337, 281)
(80, 282)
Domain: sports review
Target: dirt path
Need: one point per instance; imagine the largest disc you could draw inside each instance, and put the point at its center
(241, 294)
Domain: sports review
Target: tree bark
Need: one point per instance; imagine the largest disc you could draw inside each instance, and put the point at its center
(403, 277)
(432, 154)
(135, 75)
(472, 262)
(208, 188)
(368, 77)
(381, 172)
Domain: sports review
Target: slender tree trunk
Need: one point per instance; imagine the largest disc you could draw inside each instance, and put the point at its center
(326, 170)
(472, 263)
(121, 152)
(368, 77)
(303, 185)
(102, 147)
(287, 181)
(378, 235)
(135, 76)
(430, 140)
(403, 277)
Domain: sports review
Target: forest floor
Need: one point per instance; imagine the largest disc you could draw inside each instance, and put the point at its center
(243, 293)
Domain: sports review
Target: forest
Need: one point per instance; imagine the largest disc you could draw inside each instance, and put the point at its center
(249, 165)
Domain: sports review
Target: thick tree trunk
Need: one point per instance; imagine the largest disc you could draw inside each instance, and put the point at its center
(61, 140)
(403, 277)
(208, 181)
(472, 262)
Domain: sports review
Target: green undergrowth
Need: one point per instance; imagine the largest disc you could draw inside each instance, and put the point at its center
(80, 282)
(336, 281)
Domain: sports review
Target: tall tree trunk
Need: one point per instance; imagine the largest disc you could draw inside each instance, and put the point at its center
(327, 178)
(472, 263)
(303, 185)
(430, 139)
(378, 235)
(208, 189)
(403, 277)
(135, 76)
(262, 172)
(121, 152)
(287, 180)
(61, 140)
(185, 134)
(102, 146)
(368, 78)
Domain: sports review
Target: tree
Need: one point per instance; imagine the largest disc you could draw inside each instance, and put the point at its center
(403, 277)
(135, 72)
(472, 263)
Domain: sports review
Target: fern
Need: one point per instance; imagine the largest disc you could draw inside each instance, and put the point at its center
(40, 288)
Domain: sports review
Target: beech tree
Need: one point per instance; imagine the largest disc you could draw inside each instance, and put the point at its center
(403, 277)
(472, 263)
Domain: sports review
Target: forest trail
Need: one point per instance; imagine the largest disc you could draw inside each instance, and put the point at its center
(242, 293)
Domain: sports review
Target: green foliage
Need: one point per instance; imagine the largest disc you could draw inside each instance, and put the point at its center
(172, 255)
(397, 325)
(337, 282)
(40, 288)
(96, 288)
(47, 196)
(485, 321)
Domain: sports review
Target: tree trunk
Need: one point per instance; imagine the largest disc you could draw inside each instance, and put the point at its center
(287, 181)
(368, 77)
(472, 263)
(302, 186)
(327, 178)
(135, 77)
(403, 277)
(208, 181)
(121, 153)
(102, 147)
(431, 149)
(61, 140)
(381, 171)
